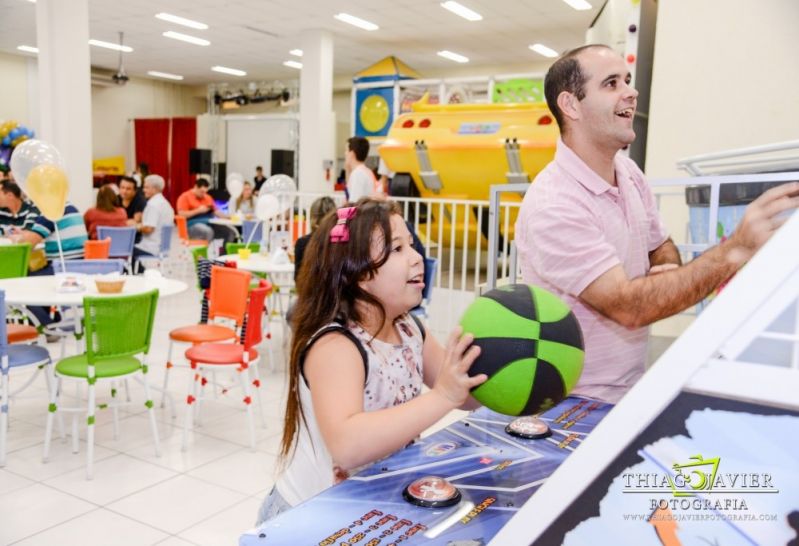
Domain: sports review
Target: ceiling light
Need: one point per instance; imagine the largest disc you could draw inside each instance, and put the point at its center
(463, 11)
(181, 21)
(296, 52)
(166, 75)
(453, 56)
(109, 45)
(541, 49)
(28, 49)
(579, 5)
(356, 21)
(186, 38)
(293, 64)
(231, 71)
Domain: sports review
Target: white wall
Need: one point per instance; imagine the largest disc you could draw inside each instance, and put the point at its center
(725, 76)
(13, 82)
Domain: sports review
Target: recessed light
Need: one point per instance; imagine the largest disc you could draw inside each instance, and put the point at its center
(356, 21)
(453, 56)
(166, 75)
(296, 52)
(231, 71)
(28, 49)
(109, 45)
(181, 21)
(293, 64)
(541, 49)
(463, 11)
(579, 5)
(186, 38)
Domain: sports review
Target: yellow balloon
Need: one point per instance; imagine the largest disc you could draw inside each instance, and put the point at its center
(47, 186)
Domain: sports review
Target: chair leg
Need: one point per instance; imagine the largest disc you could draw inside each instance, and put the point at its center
(90, 432)
(256, 382)
(75, 433)
(244, 378)
(150, 411)
(4, 413)
(50, 380)
(166, 376)
(190, 399)
(52, 409)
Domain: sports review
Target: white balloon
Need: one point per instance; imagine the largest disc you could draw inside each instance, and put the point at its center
(235, 185)
(30, 154)
(279, 183)
(267, 207)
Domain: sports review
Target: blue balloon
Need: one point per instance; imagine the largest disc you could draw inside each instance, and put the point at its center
(14, 133)
(7, 140)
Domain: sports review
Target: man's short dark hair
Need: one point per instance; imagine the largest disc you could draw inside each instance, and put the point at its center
(566, 75)
(9, 186)
(359, 146)
(128, 179)
(259, 168)
(202, 182)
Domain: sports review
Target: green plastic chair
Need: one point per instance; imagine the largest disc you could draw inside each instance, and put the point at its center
(198, 252)
(233, 248)
(117, 329)
(14, 260)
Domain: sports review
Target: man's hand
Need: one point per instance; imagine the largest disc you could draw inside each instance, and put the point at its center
(762, 218)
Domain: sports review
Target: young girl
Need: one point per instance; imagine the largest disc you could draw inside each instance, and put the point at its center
(244, 205)
(358, 359)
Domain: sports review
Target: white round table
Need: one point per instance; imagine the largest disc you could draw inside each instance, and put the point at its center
(42, 290)
(225, 222)
(258, 263)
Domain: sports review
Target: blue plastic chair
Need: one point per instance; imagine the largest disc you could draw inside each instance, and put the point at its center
(89, 267)
(166, 241)
(250, 226)
(430, 268)
(12, 357)
(122, 241)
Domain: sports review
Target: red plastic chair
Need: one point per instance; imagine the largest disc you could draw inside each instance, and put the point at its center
(237, 357)
(227, 300)
(97, 250)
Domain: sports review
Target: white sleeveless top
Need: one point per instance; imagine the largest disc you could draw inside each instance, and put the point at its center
(393, 376)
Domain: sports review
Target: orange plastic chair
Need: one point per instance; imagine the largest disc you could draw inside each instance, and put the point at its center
(227, 299)
(183, 233)
(233, 357)
(21, 333)
(97, 250)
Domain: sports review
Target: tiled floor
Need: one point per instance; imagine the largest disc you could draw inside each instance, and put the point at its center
(209, 494)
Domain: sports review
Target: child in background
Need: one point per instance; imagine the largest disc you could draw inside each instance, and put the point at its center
(358, 359)
(244, 204)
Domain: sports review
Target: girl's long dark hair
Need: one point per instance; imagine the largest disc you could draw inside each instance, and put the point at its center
(327, 289)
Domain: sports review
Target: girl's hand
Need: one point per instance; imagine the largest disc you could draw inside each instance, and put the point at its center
(453, 381)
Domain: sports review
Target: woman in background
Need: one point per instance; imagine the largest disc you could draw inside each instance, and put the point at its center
(105, 212)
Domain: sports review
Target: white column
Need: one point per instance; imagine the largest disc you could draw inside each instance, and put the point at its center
(316, 110)
(65, 103)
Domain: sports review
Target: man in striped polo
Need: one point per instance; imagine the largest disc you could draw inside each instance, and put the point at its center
(16, 214)
(589, 230)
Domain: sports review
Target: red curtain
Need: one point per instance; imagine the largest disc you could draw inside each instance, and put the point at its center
(184, 138)
(152, 145)
(164, 145)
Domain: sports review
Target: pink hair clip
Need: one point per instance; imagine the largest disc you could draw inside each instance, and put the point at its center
(340, 232)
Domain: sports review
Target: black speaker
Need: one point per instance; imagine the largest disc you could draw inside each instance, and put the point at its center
(199, 161)
(221, 175)
(283, 162)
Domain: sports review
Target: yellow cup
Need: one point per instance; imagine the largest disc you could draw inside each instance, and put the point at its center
(244, 253)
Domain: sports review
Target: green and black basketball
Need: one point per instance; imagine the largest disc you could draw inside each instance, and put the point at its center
(531, 348)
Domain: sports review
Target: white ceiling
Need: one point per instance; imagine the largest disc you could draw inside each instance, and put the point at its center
(256, 35)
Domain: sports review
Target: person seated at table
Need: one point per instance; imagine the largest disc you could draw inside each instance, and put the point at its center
(157, 213)
(199, 208)
(105, 212)
(244, 205)
(132, 200)
(69, 237)
(358, 358)
(16, 214)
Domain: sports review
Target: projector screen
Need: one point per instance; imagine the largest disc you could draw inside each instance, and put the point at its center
(250, 141)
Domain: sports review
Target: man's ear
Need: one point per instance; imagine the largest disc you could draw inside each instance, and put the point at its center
(569, 105)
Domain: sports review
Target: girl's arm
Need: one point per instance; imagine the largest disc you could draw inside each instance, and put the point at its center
(335, 374)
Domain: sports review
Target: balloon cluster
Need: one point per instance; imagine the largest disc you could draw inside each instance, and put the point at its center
(275, 196)
(39, 171)
(11, 134)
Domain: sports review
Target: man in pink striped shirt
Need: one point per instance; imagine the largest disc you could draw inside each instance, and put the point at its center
(589, 230)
